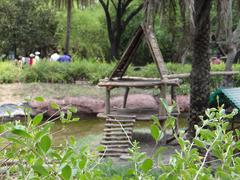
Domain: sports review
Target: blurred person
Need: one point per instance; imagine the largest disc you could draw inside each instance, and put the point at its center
(32, 60)
(55, 56)
(65, 58)
(37, 56)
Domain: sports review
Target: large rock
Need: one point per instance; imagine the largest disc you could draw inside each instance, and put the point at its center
(136, 101)
(93, 106)
(85, 105)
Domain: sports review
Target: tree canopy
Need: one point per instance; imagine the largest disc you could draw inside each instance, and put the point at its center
(26, 26)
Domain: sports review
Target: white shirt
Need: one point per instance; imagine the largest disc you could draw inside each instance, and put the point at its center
(54, 57)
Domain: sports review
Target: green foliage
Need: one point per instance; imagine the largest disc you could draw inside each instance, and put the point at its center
(26, 25)
(29, 146)
(93, 70)
(88, 37)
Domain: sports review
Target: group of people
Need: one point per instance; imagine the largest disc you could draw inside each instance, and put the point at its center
(60, 58)
(35, 57)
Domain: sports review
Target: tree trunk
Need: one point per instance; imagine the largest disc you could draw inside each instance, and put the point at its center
(200, 74)
(68, 29)
(232, 51)
(114, 50)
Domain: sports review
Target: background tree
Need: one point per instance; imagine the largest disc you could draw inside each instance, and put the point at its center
(69, 4)
(227, 34)
(26, 26)
(118, 21)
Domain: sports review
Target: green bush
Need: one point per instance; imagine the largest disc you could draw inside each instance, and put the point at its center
(28, 151)
(93, 70)
(9, 72)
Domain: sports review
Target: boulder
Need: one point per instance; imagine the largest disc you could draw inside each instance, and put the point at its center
(93, 106)
(136, 101)
(85, 105)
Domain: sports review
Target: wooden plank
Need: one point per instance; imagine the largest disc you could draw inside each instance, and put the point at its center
(117, 129)
(154, 50)
(107, 101)
(173, 94)
(125, 97)
(119, 121)
(117, 150)
(116, 138)
(115, 142)
(118, 125)
(125, 60)
(217, 73)
(163, 94)
(117, 133)
(116, 145)
(122, 116)
(149, 83)
(110, 154)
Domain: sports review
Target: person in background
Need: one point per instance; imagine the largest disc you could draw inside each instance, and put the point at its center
(32, 60)
(19, 62)
(65, 58)
(37, 56)
(55, 56)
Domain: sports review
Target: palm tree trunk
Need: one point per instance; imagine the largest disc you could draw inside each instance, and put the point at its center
(200, 74)
(68, 29)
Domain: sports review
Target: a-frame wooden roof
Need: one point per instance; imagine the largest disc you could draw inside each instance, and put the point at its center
(143, 31)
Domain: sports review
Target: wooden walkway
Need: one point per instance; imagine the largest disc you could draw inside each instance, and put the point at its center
(117, 135)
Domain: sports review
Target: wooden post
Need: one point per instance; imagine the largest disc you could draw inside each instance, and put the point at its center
(173, 93)
(107, 101)
(125, 97)
(163, 91)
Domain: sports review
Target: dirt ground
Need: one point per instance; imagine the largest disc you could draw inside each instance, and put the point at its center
(18, 92)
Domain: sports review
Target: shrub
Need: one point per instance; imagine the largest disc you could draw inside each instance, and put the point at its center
(93, 70)
(28, 151)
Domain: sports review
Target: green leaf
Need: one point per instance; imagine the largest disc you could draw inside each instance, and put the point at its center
(155, 120)
(155, 132)
(67, 155)
(17, 141)
(66, 172)
(199, 143)
(73, 109)
(147, 165)
(72, 140)
(54, 106)
(169, 123)
(21, 132)
(37, 119)
(82, 162)
(45, 143)
(100, 148)
(2, 128)
(69, 115)
(55, 155)
(39, 99)
(40, 170)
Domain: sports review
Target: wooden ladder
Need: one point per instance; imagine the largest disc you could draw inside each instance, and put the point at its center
(117, 135)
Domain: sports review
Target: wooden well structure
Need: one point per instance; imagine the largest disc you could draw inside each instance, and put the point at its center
(118, 80)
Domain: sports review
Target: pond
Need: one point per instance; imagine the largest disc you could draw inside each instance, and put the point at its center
(89, 131)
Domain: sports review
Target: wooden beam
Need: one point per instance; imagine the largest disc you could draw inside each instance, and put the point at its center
(217, 73)
(125, 60)
(143, 83)
(154, 50)
(107, 101)
(163, 95)
(125, 97)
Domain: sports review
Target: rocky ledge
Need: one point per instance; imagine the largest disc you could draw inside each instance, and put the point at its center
(93, 106)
